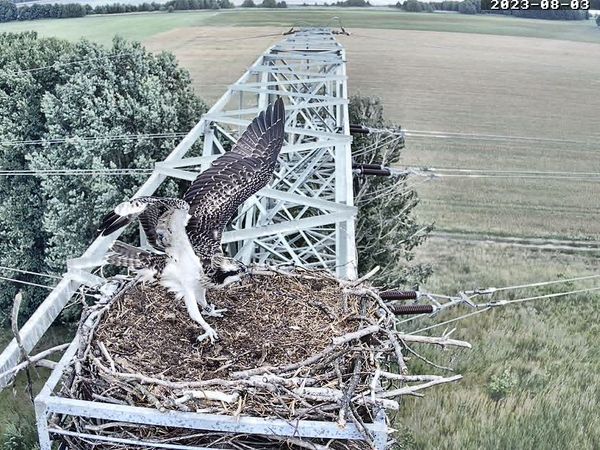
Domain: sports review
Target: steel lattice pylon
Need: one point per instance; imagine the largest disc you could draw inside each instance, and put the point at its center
(306, 216)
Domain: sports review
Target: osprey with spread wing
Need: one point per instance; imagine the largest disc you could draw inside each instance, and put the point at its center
(186, 234)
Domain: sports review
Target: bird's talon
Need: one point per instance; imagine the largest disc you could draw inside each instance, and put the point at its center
(210, 334)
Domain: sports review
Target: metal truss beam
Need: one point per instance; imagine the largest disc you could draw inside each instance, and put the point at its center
(305, 217)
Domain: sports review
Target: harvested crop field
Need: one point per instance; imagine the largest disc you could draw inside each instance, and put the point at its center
(453, 82)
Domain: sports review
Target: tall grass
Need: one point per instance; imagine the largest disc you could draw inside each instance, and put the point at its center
(532, 379)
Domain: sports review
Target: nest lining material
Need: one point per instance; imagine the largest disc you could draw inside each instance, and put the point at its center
(299, 345)
(270, 320)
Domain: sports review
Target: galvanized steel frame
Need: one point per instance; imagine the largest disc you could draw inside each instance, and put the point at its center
(305, 217)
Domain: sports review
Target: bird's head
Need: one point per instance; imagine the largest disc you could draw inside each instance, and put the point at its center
(226, 270)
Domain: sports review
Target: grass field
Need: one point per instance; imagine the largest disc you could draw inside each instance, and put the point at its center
(531, 380)
(140, 26)
(519, 78)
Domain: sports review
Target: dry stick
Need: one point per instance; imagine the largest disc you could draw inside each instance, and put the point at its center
(15, 330)
(431, 363)
(409, 390)
(208, 395)
(238, 384)
(36, 359)
(361, 425)
(347, 397)
(355, 335)
(362, 279)
(443, 341)
(104, 351)
(46, 364)
(409, 378)
(104, 426)
(337, 341)
(299, 443)
(398, 350)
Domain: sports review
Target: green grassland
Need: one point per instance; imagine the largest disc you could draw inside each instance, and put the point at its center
(140, 26)
(531, 380)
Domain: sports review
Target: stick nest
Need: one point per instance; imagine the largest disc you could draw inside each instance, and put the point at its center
(270, 320)
(298, 345)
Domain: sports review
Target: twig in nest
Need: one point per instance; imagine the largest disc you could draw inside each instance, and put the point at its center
(362, 279)
(422, 358)
(299, 443)
(409, 390)
(349, 391)
(337, 342)
(398, 350)
(443, 341)
(36, 359)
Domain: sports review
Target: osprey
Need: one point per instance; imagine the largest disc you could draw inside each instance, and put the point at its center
(186, 234)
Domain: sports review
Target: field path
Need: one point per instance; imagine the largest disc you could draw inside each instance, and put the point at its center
(513, 241)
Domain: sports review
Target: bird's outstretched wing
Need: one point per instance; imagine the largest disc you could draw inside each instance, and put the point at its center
(153, 214)
(216, 193)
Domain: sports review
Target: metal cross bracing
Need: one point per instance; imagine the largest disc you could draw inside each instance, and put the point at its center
(305, 217)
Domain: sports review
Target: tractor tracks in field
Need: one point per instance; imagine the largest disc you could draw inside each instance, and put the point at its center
(591, 247)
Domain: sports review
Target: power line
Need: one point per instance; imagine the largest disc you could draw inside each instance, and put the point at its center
(27, 283)
(459, 300)
(434, 172)
(108, 137)
(12, 269)
(533, 172)
(491, 305)
(492, 137)
(537, 297)
(522, 286)
(75, 172)
(68, 63)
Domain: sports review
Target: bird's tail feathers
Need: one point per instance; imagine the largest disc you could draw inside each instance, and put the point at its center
(126, 255)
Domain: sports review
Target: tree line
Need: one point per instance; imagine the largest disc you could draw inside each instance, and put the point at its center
(264, 4)
(9, 11)
(474, 7)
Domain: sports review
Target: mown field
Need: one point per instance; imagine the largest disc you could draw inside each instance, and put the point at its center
(531, 380)
(143, 25)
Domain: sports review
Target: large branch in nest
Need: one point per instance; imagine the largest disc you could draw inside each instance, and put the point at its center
(443, 341)
(34, 360)
(337, 342)
(410, 390)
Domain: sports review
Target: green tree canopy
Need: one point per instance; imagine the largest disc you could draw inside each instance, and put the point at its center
(91, 98)
(386, 229)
